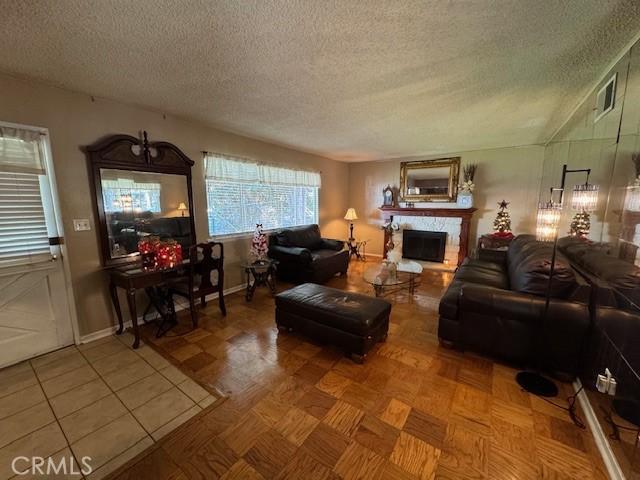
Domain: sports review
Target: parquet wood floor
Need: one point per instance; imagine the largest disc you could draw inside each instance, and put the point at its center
(414, 410)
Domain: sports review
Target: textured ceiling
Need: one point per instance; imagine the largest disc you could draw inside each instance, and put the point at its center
(352, 80)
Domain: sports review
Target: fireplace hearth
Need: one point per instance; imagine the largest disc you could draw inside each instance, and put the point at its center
(422, 245)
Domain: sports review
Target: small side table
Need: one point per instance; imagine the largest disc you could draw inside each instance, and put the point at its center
(493, 248)
(357, 248)
(263, 273)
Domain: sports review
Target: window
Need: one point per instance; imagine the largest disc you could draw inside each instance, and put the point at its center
(23, 229)
(241, 194)
(125, 195)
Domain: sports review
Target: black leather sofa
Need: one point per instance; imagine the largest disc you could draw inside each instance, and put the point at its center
(615, 337)
(126, 229)
(304, 256)
(495, 308)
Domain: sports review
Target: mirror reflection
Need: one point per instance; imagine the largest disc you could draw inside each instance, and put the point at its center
(141, 204)
(428, 181)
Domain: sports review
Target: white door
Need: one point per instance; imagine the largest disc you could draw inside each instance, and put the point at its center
(34, 302)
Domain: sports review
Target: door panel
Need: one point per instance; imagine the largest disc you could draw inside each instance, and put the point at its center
(34, 303)
(28, 312)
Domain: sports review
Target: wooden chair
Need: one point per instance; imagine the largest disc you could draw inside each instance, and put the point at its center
(202, 263)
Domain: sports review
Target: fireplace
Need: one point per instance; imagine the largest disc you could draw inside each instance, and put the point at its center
(422, 245)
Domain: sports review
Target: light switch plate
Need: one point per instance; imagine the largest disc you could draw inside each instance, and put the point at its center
(81, 224)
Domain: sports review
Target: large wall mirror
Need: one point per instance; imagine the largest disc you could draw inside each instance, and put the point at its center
(141, 189)
(430, 180)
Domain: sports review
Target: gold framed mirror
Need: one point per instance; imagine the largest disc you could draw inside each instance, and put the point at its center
(430, 180)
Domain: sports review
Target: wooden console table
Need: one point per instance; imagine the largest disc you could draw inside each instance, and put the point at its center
(464, 213)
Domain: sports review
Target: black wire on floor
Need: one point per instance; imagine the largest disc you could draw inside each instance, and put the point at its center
(571, 409)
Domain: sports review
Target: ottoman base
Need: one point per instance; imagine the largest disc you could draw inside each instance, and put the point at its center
(355, 346)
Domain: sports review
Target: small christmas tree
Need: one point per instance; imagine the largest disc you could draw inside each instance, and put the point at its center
(502, 223)
(580, 225)
(259, 246)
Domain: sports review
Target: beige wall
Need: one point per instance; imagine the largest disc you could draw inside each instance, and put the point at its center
(512, 174)
(75, 120)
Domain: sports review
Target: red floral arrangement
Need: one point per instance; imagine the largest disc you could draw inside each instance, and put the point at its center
(159, 255)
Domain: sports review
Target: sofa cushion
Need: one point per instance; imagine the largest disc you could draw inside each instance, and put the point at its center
(529, 265)
(305, 237)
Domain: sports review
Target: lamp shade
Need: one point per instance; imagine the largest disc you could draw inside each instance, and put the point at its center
(351, 214)
(584, 198)
(548, 221)
(632, 199)
(182, 206)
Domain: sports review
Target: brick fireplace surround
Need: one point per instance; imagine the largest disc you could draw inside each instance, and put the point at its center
(440, 220)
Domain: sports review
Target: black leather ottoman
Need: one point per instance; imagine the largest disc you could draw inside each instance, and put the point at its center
(347, 320)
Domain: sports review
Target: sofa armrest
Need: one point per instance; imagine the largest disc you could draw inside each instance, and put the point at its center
(289, 254)
(330, 244)
(492, 255)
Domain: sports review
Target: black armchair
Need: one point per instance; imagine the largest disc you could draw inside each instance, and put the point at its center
(304, 256)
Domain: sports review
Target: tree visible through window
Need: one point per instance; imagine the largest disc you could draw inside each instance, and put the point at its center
(238, 197)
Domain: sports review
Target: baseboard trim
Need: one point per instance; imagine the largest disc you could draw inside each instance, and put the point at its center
(105, 332)
(608, 457)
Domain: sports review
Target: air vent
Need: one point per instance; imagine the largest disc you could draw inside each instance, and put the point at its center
(605, 101)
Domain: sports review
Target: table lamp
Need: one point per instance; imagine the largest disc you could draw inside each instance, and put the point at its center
(182, 207)
(351, 216)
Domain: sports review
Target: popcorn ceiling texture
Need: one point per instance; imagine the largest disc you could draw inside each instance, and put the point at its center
(352, 80)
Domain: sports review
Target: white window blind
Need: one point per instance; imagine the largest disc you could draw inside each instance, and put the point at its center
(125, 195)
(241, 194)
(23, 228)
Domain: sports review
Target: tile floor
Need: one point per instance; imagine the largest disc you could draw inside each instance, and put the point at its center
(101, 399)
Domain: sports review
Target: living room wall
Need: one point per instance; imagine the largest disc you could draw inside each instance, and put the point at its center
(75, 120)
(512, 174)
(583, 143)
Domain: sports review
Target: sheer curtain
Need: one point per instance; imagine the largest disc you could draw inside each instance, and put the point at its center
(222, 167)
(20, 151)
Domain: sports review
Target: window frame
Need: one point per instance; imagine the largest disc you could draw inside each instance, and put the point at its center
(249, 233)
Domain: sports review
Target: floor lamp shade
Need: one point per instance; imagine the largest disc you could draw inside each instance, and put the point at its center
(351, 214)
(584, 198)
(548, 221)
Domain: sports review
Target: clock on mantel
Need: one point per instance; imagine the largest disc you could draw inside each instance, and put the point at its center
(464, 213)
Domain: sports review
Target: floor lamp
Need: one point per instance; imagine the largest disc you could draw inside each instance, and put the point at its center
(584, 198)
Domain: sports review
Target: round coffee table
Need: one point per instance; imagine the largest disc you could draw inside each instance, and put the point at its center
(381, 277)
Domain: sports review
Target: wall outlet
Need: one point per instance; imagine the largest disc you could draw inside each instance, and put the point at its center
(81, 224)
(606, 383)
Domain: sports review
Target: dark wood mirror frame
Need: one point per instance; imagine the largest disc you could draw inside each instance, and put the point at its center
(117, 152)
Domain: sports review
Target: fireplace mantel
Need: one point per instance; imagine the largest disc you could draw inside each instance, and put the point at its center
(463, 213)
(389, 212)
